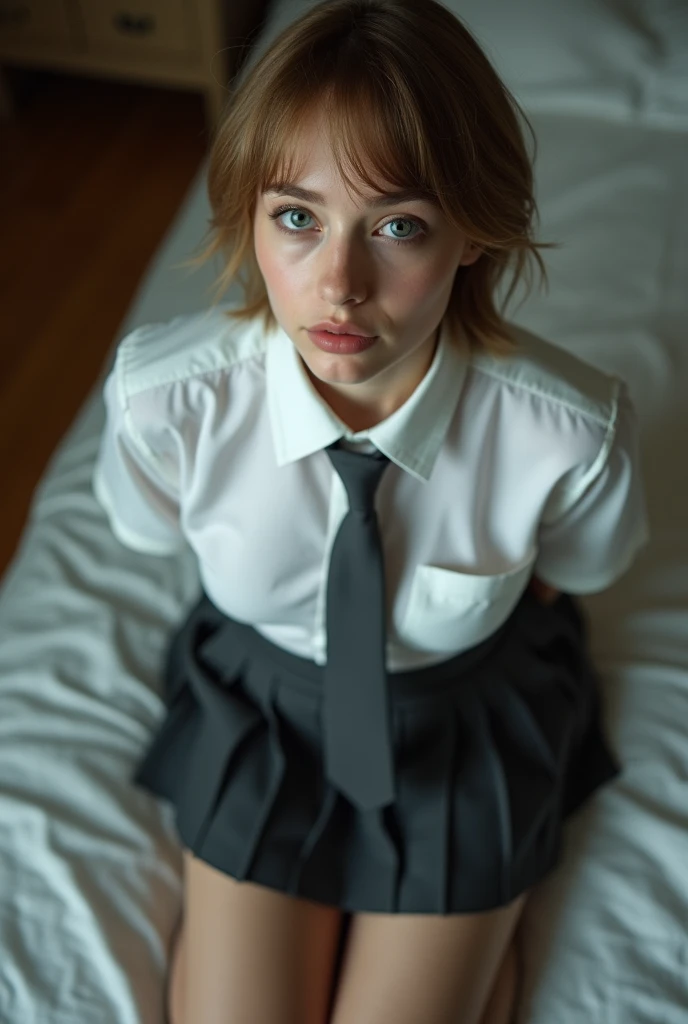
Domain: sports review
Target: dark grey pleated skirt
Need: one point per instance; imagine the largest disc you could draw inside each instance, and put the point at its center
(494, 749)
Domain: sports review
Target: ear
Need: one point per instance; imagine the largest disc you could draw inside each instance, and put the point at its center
(470, 255)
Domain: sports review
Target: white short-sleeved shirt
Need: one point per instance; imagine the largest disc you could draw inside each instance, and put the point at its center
(500, 468)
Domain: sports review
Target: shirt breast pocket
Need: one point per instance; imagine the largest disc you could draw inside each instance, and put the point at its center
(449, 610)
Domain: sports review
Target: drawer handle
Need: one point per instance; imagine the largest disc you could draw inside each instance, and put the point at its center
(134, 25)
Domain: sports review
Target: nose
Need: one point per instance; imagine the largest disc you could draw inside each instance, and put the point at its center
(344, 269)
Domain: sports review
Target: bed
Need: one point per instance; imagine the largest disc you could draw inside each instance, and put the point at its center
(90, 866)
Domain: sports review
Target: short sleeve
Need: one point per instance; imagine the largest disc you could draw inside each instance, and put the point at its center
(132, 481)
(596, 521)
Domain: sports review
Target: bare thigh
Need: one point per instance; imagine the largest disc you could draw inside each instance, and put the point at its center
(247, 953)
(405, 968)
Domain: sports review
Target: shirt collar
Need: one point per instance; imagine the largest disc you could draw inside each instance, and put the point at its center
(303, 423)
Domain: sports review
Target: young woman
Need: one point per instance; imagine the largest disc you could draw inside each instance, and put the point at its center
(381, 710)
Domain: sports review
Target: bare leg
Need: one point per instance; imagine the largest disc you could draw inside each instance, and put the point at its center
(405, 968)
(501, 1007)
(249, 953)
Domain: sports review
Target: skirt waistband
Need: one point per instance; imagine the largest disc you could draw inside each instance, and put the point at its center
(233, 639)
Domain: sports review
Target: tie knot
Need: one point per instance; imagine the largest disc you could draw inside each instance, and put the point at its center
(360, 473)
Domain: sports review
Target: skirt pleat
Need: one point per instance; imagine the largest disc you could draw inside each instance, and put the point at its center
(427, 749)
(493, 750)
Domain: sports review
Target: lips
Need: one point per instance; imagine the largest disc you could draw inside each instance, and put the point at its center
(347, 328)
(341, 343)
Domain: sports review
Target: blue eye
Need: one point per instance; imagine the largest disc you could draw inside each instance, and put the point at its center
(392, 220)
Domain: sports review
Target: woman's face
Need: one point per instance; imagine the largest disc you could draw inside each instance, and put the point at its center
(339, 260)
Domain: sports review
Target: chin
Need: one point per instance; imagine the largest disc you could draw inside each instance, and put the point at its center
(333, 369)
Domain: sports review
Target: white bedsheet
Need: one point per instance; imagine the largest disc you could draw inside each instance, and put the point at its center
(90, 869)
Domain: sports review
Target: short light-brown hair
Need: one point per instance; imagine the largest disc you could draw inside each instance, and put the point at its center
(407, 94)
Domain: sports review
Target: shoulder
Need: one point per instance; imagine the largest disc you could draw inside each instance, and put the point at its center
(184, 348)
(542, 369)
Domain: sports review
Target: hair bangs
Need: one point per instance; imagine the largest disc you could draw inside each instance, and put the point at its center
(375, 141)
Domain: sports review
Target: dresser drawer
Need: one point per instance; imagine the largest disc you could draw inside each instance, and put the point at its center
(139, 26)
(42, 21)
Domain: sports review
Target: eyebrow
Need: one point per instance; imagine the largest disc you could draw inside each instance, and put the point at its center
(288, 188)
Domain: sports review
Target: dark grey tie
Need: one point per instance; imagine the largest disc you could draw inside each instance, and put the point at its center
(356, 722)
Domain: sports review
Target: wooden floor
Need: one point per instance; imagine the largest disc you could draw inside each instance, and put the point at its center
(91, 175)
